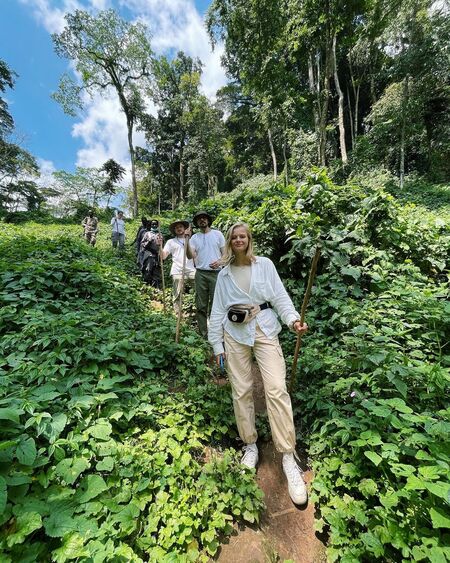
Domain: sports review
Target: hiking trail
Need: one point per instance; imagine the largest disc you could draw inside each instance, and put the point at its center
(285, 532)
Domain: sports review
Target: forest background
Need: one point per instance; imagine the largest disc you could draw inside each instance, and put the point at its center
(333, 130)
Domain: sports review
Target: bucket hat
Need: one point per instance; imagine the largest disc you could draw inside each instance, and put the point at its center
(199, 214)
(175, 223)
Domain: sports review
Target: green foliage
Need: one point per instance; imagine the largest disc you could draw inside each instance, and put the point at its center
(371, 400)
(113, 440)
(16, 164)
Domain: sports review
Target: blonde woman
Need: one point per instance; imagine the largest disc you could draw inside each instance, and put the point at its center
(248, 299)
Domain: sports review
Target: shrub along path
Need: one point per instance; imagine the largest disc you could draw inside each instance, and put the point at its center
(285, 532)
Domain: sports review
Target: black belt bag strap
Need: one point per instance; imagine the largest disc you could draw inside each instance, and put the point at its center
(245, 313)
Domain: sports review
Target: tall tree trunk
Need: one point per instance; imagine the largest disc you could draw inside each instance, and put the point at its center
(350, 118)
(325, 97)
(354, 121)
(405, 93)
(181, 152)
(274, 156)
(358, 89)
(342, 144)
(286, 162)
(315, 94)
(135, 209)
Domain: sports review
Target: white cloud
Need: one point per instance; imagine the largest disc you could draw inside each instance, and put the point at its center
(46, 168)
(103, 131)
(49, 16)
(175, 25)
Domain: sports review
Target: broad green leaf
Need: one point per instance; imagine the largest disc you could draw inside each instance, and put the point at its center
(439, 518)
(439, 555)
(26, 452)
(440, 489)
(415, 484)
(101, 430)
(351, 271)
(11, 414)
(60, 521)
(431, 472)
(374, 457)
(399, 405)
(8, 444)
(389, 500)
(127, 518)
(72, 548)
(376, 358)
(370, 437)
(24, 525)
(17, 478)
(368, 487)
(90, 487)
(373, 544)
(105, 464)
(56, 426)
(69, 469)
(402, 469)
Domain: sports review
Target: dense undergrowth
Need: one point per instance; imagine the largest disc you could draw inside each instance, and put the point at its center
(103, 459)
(371, 401)
(113, 440)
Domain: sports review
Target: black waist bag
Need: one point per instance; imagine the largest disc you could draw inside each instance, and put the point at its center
(245, 313)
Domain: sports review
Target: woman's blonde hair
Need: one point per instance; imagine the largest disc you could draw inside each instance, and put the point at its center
(228, 255)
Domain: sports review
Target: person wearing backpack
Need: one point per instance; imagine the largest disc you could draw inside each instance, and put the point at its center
(150, 252)
(90, 225)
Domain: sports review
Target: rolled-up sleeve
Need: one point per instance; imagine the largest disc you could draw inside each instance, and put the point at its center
(218, 312)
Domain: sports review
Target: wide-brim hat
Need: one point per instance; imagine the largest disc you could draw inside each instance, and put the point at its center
(200, 214)
(175, 223)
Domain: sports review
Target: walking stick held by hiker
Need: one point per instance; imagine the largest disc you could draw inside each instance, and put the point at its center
(180, 297)
(161, 262)
(312, 275)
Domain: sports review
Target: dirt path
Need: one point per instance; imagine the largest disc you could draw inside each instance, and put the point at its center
(285, 532)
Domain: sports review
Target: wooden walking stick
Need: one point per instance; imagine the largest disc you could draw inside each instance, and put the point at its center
(180, 297)
(312, 275)
(161, 261)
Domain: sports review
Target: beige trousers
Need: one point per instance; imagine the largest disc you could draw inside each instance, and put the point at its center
(271, 363)
(176, 287)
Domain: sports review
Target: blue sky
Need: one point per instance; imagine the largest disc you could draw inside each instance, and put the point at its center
(98, 133)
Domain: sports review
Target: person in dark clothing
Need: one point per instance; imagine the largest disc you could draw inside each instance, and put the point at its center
(143, 228)
(150, 248)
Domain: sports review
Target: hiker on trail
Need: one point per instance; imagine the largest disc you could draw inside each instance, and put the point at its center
(248, 299)
(90, 225)
(175, 247)
(206, 249)
(150, 248)
(143, 228)
(118, 230)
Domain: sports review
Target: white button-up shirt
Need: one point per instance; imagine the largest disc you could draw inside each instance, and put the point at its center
(265, 286)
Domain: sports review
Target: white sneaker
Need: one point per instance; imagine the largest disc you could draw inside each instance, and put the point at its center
(250, 457)
(294, 476)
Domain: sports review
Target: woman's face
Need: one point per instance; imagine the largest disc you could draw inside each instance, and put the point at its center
(239, 240)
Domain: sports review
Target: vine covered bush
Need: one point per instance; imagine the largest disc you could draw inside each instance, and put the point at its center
(113, 440)
(371, 400)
